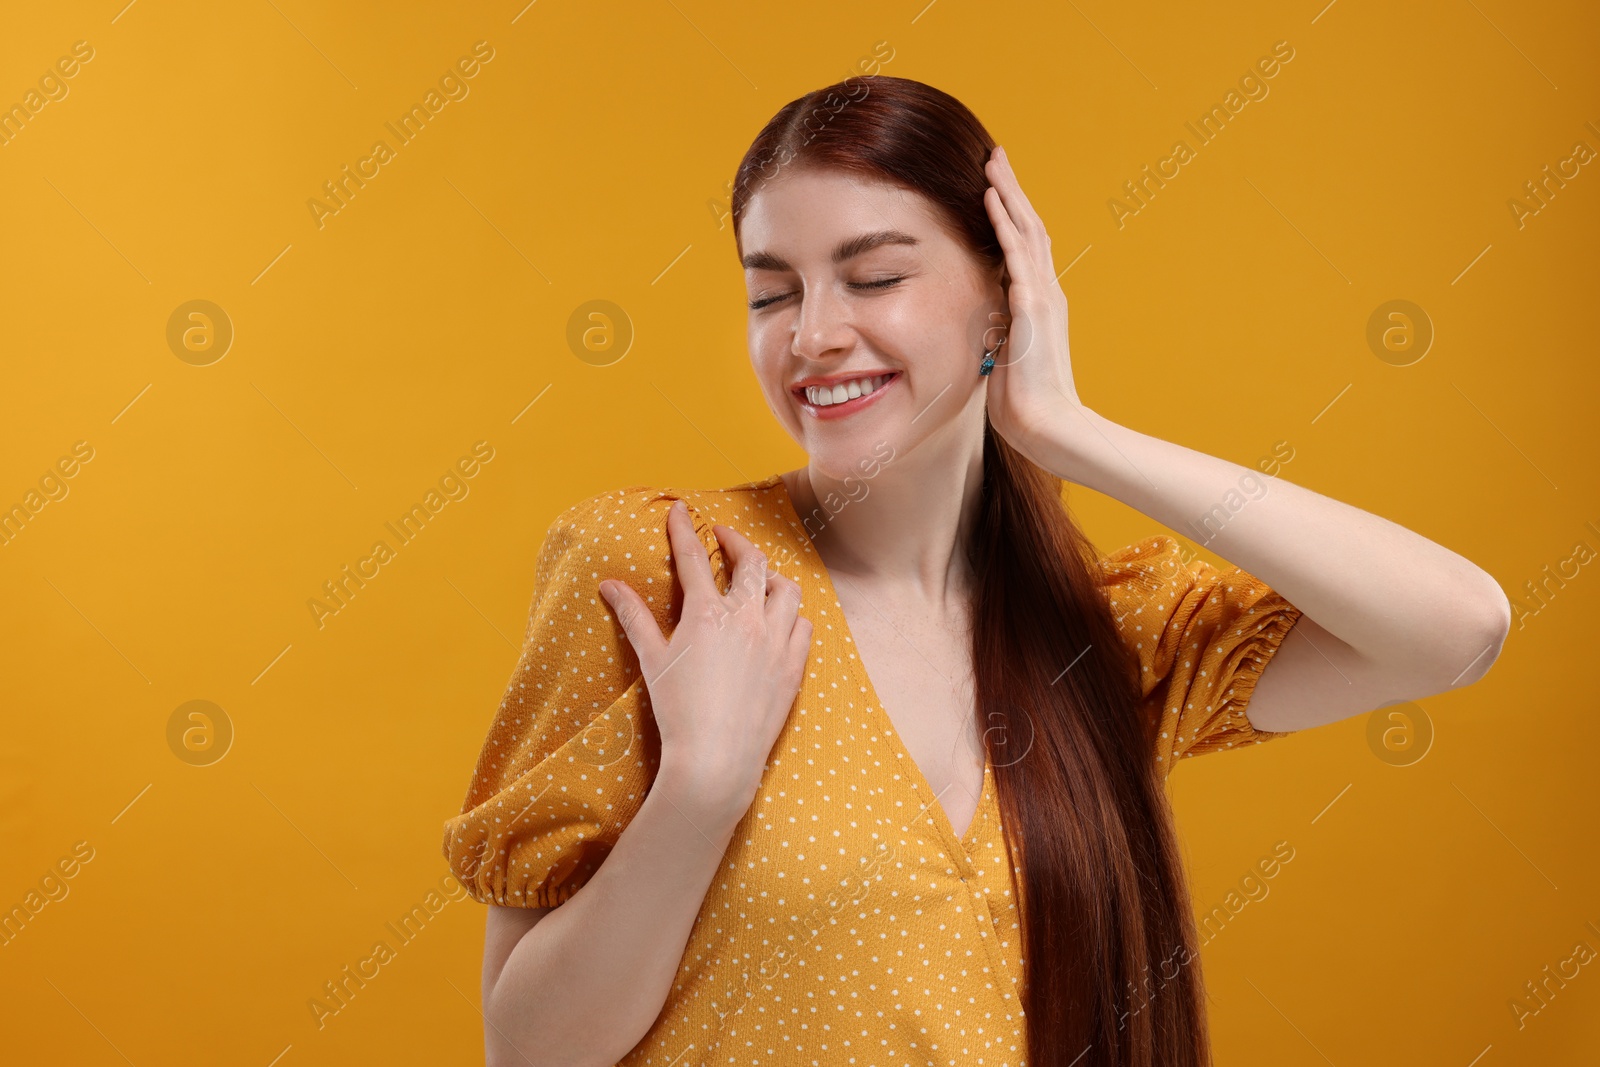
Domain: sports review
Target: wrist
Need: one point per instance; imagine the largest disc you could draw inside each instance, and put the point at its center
(1064, 439)
(710, 798)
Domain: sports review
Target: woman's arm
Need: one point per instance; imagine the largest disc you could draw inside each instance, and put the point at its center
(1388, 615)
(583, 984)
(579, 985)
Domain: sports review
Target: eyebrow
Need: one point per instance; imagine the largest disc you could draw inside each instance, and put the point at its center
(848, 249)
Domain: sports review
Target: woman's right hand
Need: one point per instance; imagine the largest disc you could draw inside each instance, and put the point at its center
(721, 689)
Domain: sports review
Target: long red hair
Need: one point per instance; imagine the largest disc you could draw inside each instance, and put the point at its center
(1111, 971)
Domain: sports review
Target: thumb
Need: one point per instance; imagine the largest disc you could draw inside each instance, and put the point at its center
(638, 625)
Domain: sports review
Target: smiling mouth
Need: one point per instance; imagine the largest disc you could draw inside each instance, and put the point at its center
(844, 398)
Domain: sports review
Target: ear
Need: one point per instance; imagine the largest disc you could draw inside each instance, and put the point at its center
(1002, 275)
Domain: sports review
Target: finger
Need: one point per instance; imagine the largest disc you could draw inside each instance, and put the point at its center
(800, 647)
(638, 625)
(1019, 210)
(783, 602)
(689, 554)
(1029, 260)
(1020, 265)
(1010, 188)
(749, 581)
(1011, 240)
(1032, 281)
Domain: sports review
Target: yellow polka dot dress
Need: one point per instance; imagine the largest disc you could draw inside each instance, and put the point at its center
(848, 923)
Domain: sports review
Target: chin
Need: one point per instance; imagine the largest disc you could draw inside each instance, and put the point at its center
(855, 455)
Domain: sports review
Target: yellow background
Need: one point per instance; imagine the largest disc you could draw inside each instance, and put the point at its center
(586, 163)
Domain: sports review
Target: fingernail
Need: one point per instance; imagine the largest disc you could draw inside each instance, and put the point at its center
(605, 590)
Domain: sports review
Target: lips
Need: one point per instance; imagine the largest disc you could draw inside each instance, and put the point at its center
(849, 405)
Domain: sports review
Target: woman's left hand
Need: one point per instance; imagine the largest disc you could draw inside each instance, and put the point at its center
(1031, 383)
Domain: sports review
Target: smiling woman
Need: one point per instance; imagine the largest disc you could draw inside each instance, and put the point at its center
(892, 790)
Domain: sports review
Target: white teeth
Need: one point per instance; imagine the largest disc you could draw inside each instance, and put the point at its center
(823, 396)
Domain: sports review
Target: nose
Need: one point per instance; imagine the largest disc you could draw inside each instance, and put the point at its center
(822, 325)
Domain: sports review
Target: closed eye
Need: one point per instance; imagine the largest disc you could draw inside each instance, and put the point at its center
(756, 305)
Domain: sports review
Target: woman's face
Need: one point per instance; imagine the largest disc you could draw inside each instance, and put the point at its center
(853, 278)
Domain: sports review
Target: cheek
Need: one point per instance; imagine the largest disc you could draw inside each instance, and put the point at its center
(925, 335)
(766, 352)
(770, 336)
(769, 366)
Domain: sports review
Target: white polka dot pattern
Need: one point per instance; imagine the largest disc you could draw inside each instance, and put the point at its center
(1202, 636)
(849, 923)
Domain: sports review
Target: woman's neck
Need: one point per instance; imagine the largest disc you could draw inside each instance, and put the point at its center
(906, 528)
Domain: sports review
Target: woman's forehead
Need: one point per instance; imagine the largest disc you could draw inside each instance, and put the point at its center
(818, 215)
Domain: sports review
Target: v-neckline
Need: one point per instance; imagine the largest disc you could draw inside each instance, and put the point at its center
(875, 706)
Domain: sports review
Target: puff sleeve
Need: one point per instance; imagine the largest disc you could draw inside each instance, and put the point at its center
(573, 749)
(1202, 637)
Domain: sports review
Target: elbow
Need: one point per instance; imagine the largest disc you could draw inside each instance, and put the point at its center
(1484, 638)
